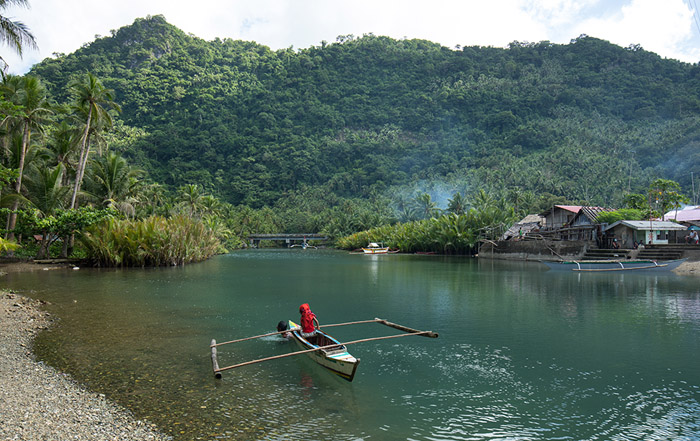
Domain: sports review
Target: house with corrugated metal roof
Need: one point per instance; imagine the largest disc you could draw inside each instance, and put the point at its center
(528, 224)
(588, 216)
(630, 233)
(573, 222)
(689, 214)
(560, 216)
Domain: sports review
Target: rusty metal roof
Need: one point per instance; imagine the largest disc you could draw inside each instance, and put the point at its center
(593, 212)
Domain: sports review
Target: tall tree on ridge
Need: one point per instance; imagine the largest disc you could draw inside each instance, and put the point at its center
(32, 100)
(92, 100)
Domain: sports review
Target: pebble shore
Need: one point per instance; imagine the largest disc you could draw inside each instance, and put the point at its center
(39, 403)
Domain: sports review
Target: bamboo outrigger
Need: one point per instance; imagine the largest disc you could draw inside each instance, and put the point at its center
(327, 351)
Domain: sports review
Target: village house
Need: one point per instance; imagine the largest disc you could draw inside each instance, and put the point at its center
(688, 217)
(560, 216)
(629, 233)
(573, 222)
(574, 233)
(528, 224)
(689, 214)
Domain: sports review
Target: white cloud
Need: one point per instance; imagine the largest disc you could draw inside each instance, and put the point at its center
(664, 27)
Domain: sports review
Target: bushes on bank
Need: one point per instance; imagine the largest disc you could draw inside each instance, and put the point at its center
(448, 234)
(154, 241)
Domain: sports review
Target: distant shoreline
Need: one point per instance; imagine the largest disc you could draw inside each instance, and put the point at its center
(38, 402)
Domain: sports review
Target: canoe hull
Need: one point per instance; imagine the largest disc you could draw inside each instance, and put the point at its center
(375, 250)
(337, 359)
(614, 265)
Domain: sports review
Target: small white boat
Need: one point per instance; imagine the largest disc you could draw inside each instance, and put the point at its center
(375, 248)
(303, 246)
(332, 355)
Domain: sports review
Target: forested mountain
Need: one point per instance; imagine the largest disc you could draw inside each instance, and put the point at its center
(586, 121)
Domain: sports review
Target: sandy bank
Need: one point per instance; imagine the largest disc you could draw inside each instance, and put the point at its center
(688, 269)
(39, 403)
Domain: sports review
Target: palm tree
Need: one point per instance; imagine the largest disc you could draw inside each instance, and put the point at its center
(152, 199)
(34, 108)
(62, 148)
(425, 206)
(47, 194)
(14, 33)
(112, 182)
(191, 197)
(92, 101)
(457, 205)
(211, 205)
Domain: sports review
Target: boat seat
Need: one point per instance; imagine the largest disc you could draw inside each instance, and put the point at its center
(322, 340)
(335, 350)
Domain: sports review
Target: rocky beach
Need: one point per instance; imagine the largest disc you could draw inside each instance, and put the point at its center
(39, 403)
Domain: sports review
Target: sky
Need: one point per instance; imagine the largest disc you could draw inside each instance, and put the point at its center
(670, 28)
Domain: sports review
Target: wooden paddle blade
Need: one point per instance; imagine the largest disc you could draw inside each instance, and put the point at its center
(430, 334)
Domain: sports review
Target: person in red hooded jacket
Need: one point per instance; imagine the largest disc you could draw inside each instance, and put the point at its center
(308, 320)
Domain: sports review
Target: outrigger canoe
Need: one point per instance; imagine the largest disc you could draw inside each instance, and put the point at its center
(323, 349)
(375, 248)
(614, 265)
(331, 354)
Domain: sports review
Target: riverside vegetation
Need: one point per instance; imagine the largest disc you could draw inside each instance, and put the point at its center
(150, 125)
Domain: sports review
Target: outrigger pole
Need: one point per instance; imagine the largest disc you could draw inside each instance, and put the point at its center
(290, 330)
(214, 343)
(275, 357)
(409, 332)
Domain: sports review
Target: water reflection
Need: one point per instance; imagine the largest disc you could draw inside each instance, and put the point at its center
(523, 353)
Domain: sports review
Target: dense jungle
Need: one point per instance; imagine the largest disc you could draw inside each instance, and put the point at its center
(355, 134)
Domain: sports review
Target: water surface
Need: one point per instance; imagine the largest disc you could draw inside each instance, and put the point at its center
(524, 353)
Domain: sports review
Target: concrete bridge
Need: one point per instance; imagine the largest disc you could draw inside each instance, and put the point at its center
(288, 239)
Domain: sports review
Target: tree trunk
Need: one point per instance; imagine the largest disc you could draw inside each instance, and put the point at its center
(84, 151)
(43, 251)
(67, 248)
(12, 222)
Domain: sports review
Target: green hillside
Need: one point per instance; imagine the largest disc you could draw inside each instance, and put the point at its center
(365, 116)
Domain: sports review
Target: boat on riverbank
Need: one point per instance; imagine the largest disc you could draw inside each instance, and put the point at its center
(613, 265)
(375, 248)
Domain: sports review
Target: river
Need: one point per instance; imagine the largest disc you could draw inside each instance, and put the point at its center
(523, 354)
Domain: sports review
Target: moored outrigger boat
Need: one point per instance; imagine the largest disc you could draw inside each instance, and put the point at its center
(614, 265)
(324, 349)
(375, 248)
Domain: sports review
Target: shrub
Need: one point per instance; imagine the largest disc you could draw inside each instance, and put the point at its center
(155, 241)
(610, 217)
